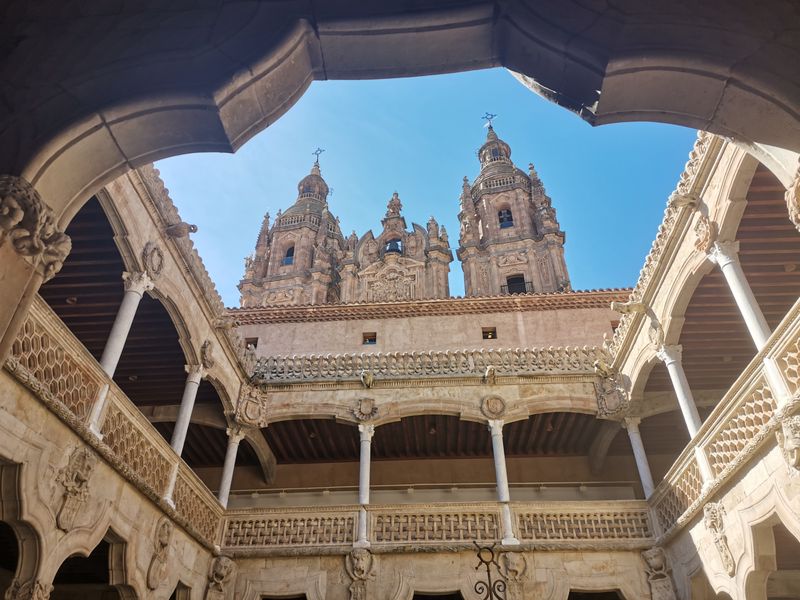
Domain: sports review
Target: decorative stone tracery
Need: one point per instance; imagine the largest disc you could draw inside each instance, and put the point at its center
(28, 223)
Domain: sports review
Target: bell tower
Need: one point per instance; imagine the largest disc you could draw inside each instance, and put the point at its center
(295, 260)
(510, 240)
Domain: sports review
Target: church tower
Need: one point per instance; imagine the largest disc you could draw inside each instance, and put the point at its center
(295, 260)
(510, 240)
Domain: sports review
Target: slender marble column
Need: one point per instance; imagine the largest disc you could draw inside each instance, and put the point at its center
(726, 255)
(235, 435)
(671, 355)
(367, 431)
(195, 374)
(136, 284)
(503, 496)
(632, 426)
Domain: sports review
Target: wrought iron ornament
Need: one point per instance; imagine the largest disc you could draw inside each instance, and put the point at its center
(489, 117)
(316, 153)
(489, 589)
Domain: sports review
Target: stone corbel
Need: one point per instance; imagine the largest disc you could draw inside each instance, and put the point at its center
(28, 223)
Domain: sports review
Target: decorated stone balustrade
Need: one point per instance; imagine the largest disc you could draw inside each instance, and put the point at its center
(57, 368)
(566, 525)
(448, 363)
(745, 421)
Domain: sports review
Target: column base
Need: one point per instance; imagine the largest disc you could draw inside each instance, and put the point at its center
(361, 544)
(170, 502)
(95, 432)
(512, 541)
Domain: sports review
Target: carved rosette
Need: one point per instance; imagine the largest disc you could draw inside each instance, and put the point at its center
(30, 590)
(713, 519)
(793, 200)
(222, 570)
(157, 571)
(658, 574)
(74, 477)
(788, 437)
(28, 223)
(251, 410)
(705, 231)
(360, 566)
(493, 407)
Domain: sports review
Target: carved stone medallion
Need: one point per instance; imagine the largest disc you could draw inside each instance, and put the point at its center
(366, 409)
(788, 436)
(612, 396)
(152, 259)
(793, 200)
(74, 477)
(251, 410)
(157, 571)
(705, 231)
(493, 407)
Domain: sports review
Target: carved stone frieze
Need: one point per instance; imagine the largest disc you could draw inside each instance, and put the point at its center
(74, 477)
(157, 571)
(152, 259)
(366, 409)
(30, 590)
(793, 200)
(221, 573)
(493, 407)
(658, 574)
(28, 223)
(251, 410)
(713, 519)
(360, 566)
(788, 436)
(390, 284)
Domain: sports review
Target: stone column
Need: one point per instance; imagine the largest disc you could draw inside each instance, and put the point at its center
(136, 284)
(195, 374)
(632, 426)
(726, 255)
(235, 435)
(671, 355)
(367, 431)
(503, 496)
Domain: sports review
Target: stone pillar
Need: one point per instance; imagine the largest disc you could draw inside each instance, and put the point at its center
(195, 374)
(367, 431)
(726, 255)
(632, 426)
(136, 284)
(671, 355)
(503, 496)
(235, 435)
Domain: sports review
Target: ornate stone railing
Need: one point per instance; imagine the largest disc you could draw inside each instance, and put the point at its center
(612, 524)
(744, 420)
(447, 363)
(58, 369)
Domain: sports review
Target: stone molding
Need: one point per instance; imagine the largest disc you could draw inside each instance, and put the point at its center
(429, 307)
(446, 363)
(30, 226)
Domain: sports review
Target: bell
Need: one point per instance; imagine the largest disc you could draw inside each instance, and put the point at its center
(393, 246)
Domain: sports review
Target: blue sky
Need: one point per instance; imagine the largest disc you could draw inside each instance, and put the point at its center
(419, 136)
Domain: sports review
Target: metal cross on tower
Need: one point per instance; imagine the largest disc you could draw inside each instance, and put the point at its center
(488, 117)
(316, 153)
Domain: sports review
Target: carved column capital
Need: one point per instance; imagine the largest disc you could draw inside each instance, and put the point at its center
(724, 253)
(195, 372)
(30, 226)
(236, 434)
(30, 590)
(495, 426)
(670, 353)
(367, 430)
(138, 282)
(632, 423)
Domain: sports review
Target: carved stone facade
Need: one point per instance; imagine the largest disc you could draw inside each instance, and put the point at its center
(510, 240)
(304, 259)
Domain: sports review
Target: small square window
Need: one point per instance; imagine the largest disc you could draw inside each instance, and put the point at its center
(489, 333)
(369, 338)
(251, 342)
